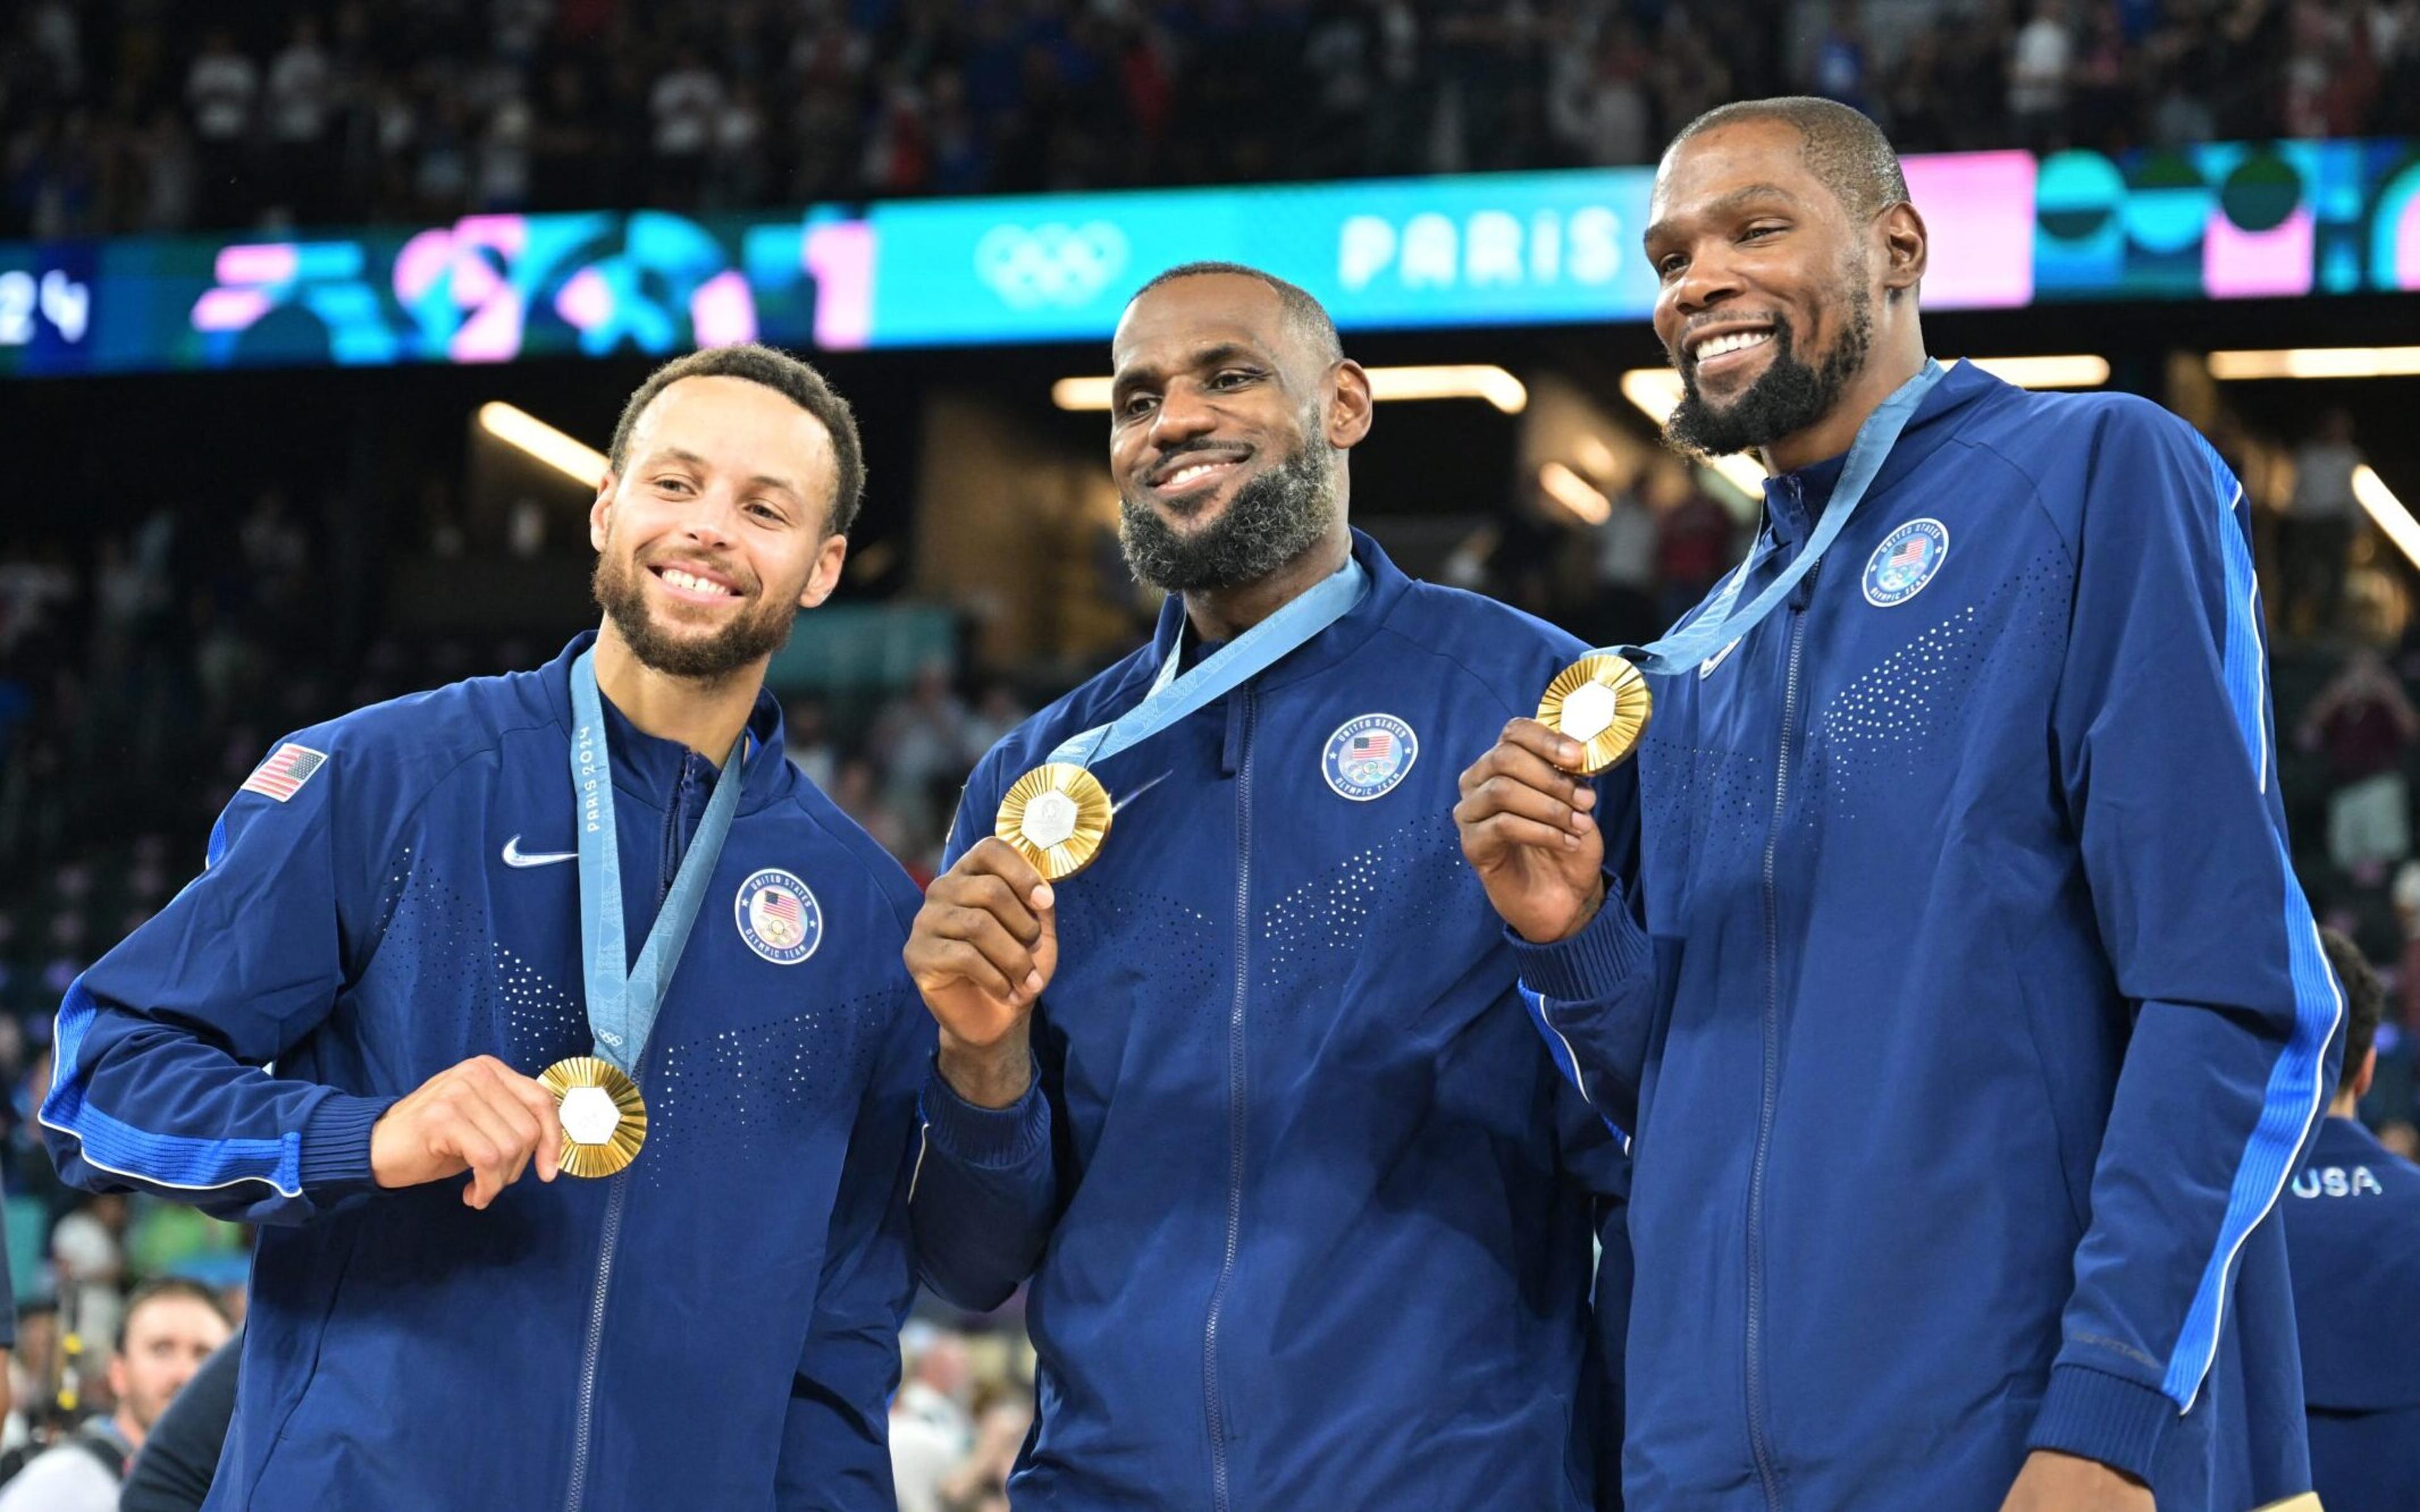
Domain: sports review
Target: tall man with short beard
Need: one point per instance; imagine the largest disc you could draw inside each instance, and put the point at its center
(1306, 1209)
(604, 870)
(1977, 1017)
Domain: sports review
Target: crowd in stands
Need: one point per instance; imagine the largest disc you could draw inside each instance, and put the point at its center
(123, 116)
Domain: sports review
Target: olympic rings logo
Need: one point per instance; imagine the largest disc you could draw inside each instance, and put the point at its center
(1050, 264)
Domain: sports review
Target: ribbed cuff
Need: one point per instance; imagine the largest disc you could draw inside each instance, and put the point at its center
(991, 1139)
(2105, 1418)
(336, 1143)
(1593, 963)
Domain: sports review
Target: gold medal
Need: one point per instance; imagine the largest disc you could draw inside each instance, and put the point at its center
(604, 1120)
(1602, 702)
(1056, 816)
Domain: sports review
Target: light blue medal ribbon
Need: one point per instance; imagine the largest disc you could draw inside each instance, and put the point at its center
(1603, 701)
(1058, 816)
(1172, 697)
(1720, 627)
(623, 999)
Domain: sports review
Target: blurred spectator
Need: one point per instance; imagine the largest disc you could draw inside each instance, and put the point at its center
(1839, 68)
(2319, 520)
(939, 1390)
(999, 713)
(377, 115)
(980, 1483)
(300, 97)
(920, 743)
(170, 1327)
(2365, 722)
(685, 101)
(220, 89)
(1694, 548)
(2039, 66)
(88, 1264)
(1627, 543)
(806, 739)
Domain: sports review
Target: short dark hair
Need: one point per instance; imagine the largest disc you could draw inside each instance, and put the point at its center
(1839, 146)
(167, 1286)
(785, 375)
(2364, 1003)
(1310, 317)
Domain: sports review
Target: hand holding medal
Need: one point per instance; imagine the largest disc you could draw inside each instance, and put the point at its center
(1527, 817)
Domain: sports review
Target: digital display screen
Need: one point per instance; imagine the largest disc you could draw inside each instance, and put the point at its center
(2221, 220)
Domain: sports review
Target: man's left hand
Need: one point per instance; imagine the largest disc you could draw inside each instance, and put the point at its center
(2056, 1482)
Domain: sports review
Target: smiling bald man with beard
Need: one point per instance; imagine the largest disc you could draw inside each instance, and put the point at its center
(1977, 1019)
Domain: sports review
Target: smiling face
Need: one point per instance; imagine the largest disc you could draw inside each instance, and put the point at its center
(717, 531)
(1225, 422)
(1766, 303)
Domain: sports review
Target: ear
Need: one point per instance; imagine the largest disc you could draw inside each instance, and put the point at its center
(825, 577)
(1905, 245)
(600, 512)
(1351, 410)
(2359, 1086)
(117, 1380)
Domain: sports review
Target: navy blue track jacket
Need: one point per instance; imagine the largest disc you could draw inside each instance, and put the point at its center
(715, 1326)
(1979, 1019)
(2353, 1229)
(1306, 1206)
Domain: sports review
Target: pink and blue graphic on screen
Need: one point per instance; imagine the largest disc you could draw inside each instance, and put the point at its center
(494, 289)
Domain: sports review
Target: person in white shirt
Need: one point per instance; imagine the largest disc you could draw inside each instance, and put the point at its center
(168, 1329)
(2038, 67)
(2320, 514)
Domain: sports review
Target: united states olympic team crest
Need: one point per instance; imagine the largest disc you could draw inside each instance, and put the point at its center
(779, 917)
(1368, 756)
(1906, 562)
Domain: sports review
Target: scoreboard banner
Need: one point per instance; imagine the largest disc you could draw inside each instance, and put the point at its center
(2219, 221)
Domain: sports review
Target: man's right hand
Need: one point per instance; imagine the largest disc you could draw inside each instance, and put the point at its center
(1527, 830)
(482, 1117)
(981, 949)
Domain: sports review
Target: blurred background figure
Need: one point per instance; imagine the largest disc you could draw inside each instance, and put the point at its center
(2320, 517)
(167, 1329)
(2352, 1232)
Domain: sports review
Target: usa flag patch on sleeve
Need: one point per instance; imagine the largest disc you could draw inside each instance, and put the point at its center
(282, 774)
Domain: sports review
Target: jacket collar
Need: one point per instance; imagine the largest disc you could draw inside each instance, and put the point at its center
(646, 765)
(1794, 500)
(1388, 586)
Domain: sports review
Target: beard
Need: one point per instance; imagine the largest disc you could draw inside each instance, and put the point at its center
(1274, 516)
(753, 634)
(1787, 398)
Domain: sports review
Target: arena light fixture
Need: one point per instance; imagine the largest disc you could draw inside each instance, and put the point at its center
(1575, 493)
(2317, 363)
(2387, 512)
(516, 428)
(2079, 370)
(1475, 381)
(1656, 391)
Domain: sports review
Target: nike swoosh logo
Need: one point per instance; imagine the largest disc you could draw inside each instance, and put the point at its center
(515, 856)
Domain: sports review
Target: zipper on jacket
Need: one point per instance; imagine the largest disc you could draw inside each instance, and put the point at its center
(609, 1239)
(1235, 1112)
(1760, 1445)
